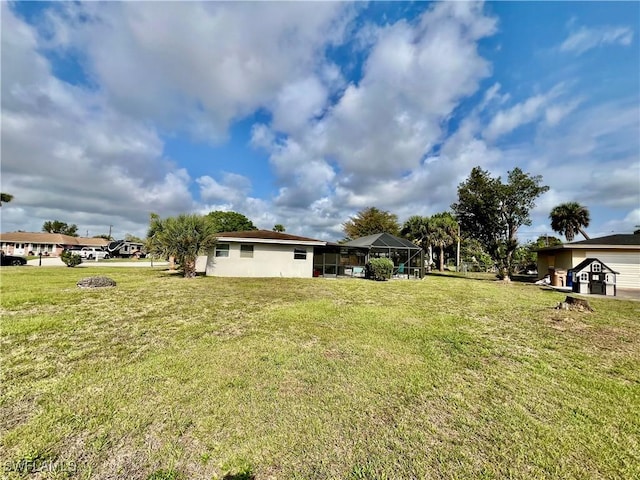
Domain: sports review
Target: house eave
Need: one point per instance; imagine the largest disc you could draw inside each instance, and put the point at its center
(270, 241)
(569, 246)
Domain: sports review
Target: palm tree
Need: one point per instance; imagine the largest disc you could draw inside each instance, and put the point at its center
(5, 198)
(183, 237)
(443, 233)
(416, 229)
(568, 218)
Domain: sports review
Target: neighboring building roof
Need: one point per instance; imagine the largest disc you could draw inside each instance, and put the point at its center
(53, 238)
(382, 240)
(619, 241)
(589, 261)
(268, 236)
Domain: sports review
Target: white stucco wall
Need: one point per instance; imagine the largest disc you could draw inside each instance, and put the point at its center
(269, 260)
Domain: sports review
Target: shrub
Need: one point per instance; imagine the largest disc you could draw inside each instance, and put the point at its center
(71, 259)
(379, 268)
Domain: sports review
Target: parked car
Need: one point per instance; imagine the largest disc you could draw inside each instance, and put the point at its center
(13, 260)
(91, 253)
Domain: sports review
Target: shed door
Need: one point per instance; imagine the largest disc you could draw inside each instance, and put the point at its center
(627, 264)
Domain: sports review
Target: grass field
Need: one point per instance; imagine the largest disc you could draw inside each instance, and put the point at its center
(448, 377)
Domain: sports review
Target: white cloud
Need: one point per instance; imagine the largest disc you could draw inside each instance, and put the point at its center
(66, 152)
(400, 137)
(203, 65)
(505, 121)
(588, 38)
(233, 188)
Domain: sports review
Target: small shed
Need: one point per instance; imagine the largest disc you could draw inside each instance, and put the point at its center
(593, 276)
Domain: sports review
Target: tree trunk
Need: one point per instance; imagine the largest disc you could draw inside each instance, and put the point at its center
(442, 257)
(172, 263)
(189, 266)
(584, 234)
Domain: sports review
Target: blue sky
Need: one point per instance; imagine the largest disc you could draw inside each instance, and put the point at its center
(303, 113)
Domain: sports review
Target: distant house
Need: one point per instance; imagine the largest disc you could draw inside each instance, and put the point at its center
(621, 253)
(52, 244)
(261, 253)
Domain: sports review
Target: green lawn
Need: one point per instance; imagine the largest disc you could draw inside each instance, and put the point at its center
(447, 377)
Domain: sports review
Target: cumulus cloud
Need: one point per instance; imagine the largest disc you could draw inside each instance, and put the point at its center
(585, 38)
(202, 65)
(401, 133)
(66, 152)
(232, 188)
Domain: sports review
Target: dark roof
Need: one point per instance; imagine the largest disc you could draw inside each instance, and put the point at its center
(384, 240)
(589, 261)
(267, 235)
(618, 241)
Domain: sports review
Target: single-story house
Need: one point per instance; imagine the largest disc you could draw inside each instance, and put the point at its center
(619, 252)
(51, 244)
(261, 253)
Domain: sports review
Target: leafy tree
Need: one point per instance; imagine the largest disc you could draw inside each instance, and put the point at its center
(546, 241)
(5, 198)
(56, 226)
(104, 235)
(443, 232)
(183, 237)
(568, 218)
(492, 212)
(472, 251)
(132, 238)
(416, 229)
(278, 227)
(370, 221)
(229, 221)
(526, 256)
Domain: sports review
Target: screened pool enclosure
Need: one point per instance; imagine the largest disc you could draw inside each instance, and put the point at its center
(349, 259)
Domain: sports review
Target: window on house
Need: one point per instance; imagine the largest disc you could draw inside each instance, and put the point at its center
(596, 267)
(222, 250)
(584, 277)
(246, 251)
(299, 254)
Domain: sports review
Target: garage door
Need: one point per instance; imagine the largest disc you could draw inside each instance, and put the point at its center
(626, 264)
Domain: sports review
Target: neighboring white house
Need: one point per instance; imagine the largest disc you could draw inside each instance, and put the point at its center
(50, 244)
(261, 253)
(621, 253)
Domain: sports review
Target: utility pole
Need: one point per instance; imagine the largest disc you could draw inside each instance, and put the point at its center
(458, 251)
(110, 231)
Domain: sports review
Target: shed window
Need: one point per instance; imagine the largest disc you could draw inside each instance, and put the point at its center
(584, 277)
(596, 267)
(246, 251)
(299, 254)
(222, 250)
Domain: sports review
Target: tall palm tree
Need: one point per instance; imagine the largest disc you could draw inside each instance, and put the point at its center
(416, 229)
(443, 233)
(5, 198)
(568, 219)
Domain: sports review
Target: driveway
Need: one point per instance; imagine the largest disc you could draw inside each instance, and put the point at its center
(56, 262)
